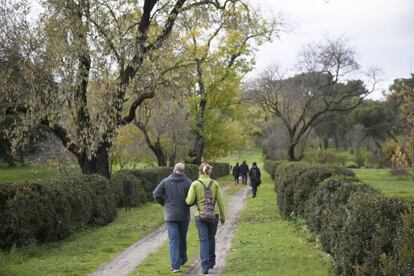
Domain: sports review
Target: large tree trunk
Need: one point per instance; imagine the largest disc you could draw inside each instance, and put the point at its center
(197, 152)
(291, 152)
(159, 154)
(97, 164)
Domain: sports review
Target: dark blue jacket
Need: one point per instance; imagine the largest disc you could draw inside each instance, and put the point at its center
(171, 194)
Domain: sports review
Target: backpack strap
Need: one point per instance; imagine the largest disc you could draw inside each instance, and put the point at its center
(204, 185)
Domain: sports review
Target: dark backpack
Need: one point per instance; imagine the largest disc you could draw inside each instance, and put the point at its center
(208, 213)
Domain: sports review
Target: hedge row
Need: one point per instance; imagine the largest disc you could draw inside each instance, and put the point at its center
(366, 232)
(144, 181)
(270, 167)
(50, 210)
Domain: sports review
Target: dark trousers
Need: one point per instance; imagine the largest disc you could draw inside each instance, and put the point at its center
(207, 235)
(244, 179)
(254, 189)
(177, 234)
(236, 179)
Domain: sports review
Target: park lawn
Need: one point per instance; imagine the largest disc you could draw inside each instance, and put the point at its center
(158, 263)
(382, 180)
(20, 174)
(266, 244)
(85, 250)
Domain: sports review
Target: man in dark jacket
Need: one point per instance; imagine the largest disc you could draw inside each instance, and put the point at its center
(236, 173)
(244, 170)
(171, 194)
(254, 175)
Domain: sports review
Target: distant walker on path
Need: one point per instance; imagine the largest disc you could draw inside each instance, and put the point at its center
(171, 194)
(244, 170)
(255, 178)
(236, 173)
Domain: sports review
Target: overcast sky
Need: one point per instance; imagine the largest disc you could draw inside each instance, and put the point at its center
(381, 32)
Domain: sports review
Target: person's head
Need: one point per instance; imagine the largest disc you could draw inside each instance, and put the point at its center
(237, 163)
(254, 164)
(179, 168)
(205, 169)
(244, 162)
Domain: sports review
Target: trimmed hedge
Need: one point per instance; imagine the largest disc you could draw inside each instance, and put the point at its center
(219, 169)
(270, 167)
(297, 181)
(146, 180)
(366, 232)
(50, 210)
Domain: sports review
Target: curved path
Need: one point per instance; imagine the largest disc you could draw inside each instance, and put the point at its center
(131, 257)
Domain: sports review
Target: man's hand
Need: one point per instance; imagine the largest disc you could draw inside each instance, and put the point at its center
(222, 221)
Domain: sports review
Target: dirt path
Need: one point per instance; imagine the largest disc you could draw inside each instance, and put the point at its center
(130, 258)
(224, 235)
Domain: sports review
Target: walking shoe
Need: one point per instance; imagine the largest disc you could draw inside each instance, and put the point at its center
(205, 271)
(173, 270)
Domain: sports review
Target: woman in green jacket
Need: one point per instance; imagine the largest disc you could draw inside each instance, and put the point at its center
(206, 229)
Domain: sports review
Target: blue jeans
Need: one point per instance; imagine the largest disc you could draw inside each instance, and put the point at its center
(177, 234)
(207, 235)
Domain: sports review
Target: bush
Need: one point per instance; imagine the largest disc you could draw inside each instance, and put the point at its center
(146, 180)
(139, 195)
(368, 233)
(270, 167)
(50, 210)
(297, 181)
(325, 157)
(220, 169)
(401, 262)
(336, 190)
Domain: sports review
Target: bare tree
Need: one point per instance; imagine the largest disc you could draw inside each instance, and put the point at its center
(317, 89)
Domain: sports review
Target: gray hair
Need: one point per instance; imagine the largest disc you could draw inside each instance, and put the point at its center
(179, 168)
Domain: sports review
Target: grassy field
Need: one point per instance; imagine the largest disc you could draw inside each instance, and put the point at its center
(382, 180)
(265, 244)
(20, 174)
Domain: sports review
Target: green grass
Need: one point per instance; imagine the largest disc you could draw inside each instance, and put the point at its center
(20, 174)
(250, 155)
(85, 250)
(382, 180)
(158, 263)
(265, 244)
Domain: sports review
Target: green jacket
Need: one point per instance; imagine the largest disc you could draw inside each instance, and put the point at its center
(196, 195)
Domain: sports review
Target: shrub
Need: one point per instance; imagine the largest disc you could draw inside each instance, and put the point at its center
(325, 157)
(270, 167)
(50, 210)
(335, 189)
(297, 181)
(365, 232)
(401, 262)
(220, 169)
(368, 233)
(139, 195)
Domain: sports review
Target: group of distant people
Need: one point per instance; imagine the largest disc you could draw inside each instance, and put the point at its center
(242, 172)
